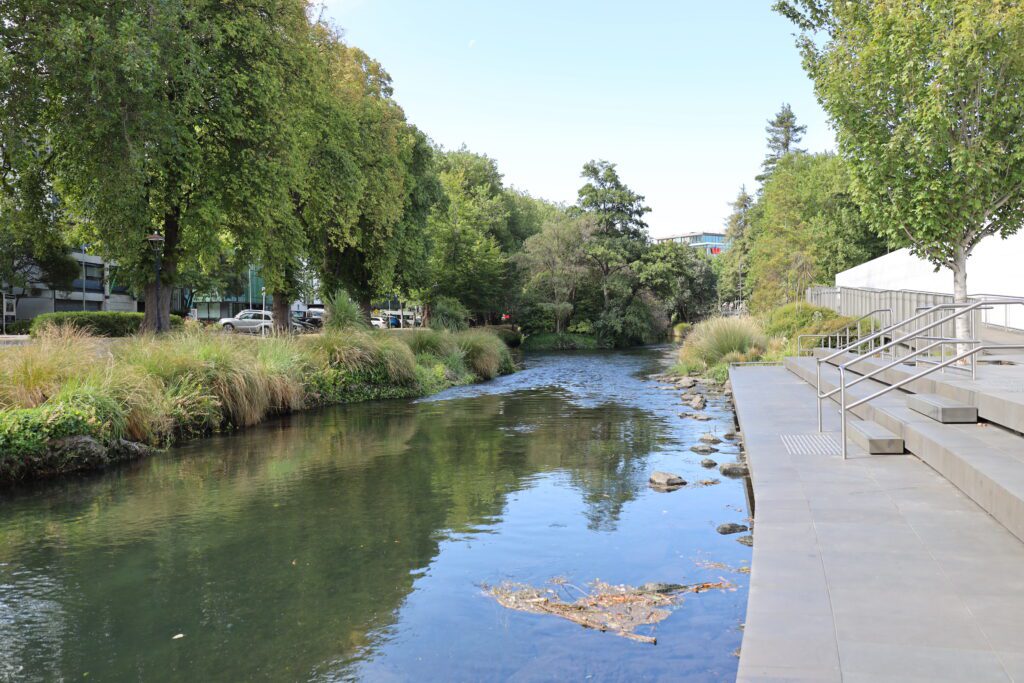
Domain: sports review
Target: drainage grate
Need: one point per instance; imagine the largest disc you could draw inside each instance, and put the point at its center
(810, 444)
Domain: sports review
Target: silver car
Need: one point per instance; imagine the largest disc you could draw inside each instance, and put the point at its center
(250, 322)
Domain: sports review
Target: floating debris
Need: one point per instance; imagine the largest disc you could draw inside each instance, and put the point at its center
(706, 482)
(616, 609)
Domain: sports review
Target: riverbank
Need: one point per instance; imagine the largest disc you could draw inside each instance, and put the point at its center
(71, 402)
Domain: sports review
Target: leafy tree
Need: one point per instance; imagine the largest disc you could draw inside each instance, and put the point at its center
(783, 136)
(925, 98)
(804, 229)
(734, 261)
(170, 118)
(555, 261)
(680, 277)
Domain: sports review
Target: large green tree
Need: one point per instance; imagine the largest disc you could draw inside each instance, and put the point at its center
(555, 261)
(733, 263)
(925, 98)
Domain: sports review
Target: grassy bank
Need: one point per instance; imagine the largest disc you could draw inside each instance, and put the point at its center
(712, 345)
(71, 401)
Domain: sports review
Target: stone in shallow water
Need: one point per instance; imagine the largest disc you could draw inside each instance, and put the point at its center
(708, 463)
(710, 438)
(733, 469)
(703, 449)
(698, 402)
(731, 528)
(746, 540)
(701, 417)
(686, 383)
(666, 480)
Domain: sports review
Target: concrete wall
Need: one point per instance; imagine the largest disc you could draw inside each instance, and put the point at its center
(996, 268)
(993, 268)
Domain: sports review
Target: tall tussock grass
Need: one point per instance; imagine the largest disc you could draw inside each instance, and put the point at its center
(157, 390)
(712, 341)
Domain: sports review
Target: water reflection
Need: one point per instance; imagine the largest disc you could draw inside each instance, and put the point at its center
(345, 543)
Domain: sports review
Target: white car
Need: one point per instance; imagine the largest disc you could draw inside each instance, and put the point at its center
(378, 322)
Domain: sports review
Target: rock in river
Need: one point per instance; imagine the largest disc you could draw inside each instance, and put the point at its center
(666, 480)
(710, 438)
(731, 528)
(708, 463)
(746, 540)
(698, 403)
(686, 383)
(733, 469)
(703, 449)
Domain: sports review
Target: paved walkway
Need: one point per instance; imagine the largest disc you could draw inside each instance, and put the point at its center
(872, 569)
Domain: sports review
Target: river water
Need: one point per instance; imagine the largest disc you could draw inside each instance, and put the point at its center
(352, 543)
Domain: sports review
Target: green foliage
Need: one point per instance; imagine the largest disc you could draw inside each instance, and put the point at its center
(342, 312)
(448, 313)
(98, 323)
(681, 278)
(680, 330)
(804, 229)
(550, 341)
(797, 317)
(18, 327)
(925, 101)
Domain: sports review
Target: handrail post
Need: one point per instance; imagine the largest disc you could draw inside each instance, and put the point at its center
(842, 409)
(817, 371)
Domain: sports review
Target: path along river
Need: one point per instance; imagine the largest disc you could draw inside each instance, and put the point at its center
(352, 543)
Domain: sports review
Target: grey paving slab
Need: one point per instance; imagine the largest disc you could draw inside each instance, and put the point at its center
(875, 568)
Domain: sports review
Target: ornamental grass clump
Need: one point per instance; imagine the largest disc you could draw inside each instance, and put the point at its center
(711, 341)
(485, 354)
(31, 374)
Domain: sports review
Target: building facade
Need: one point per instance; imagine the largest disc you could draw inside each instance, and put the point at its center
(711, 243)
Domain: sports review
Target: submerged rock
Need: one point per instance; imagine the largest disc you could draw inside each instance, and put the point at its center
(703, 449)
(729, 436)
(708, 463)
(666, 480)
(731, 528)
(733, 469)
(710, 438)
(746, 540)
(700, 417)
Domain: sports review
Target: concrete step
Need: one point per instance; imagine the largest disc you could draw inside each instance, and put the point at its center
(874, 438)
(997, 393)
(983, 460)
(942, 409)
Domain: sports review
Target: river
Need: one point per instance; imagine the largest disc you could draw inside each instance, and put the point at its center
(352, 543)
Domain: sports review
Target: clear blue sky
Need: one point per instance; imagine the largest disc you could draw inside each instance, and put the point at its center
(676, 93)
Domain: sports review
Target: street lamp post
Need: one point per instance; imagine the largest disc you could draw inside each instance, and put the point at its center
(156, 243)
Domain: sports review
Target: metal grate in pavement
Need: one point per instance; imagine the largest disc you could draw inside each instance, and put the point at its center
(810, 444)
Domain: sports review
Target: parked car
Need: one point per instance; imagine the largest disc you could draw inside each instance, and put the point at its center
(314, 317)
(256, 322)
(378, 322)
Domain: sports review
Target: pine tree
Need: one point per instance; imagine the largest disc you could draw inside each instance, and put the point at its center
(783, 136)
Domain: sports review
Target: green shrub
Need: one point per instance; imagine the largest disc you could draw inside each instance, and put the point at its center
(341, 312)
(97, 323)
(19, 327)
(551, 341)
(787, 321)
(447, 313)
(710, 341)
(680, 330)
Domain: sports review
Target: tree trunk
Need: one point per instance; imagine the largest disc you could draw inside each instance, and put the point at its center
(280, 307)
(168, 274)
(963, 326)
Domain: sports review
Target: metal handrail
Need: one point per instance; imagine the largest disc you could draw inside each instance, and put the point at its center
(844, 407)
(909, 336)
(841, 333)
